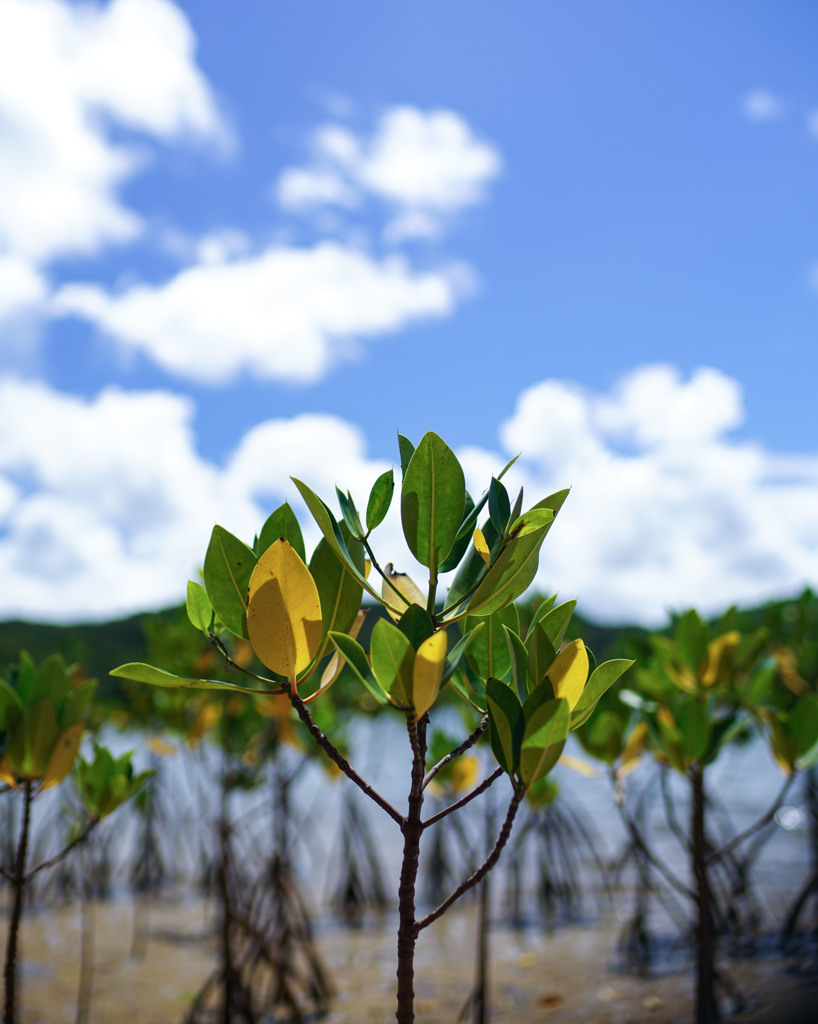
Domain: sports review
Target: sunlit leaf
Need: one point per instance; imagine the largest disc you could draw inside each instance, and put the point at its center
(480, 546)
(198, 606)
(357, 660)
(427, 672)
(284, 611)
(569, 671)
(401, 591)
(380, 498)
(228, 566)
(433, 498)
(393, 659)
(142, 673)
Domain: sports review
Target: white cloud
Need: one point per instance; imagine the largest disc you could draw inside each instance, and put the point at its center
(21, 287)
(685, 517)
(286, 313)
(762, 105)
(427, 164)
(106, 506)
(66, 72)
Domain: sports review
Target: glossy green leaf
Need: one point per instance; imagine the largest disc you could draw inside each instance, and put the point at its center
(198, 606)
(416, 624)
(393, 660)
(228, 566)
(600, 680)
(380, 498)
(472, 570)
(350, 514)
(518, 659)
(541, 653)
(456, 654)
(433, 498)
(499, 505)
(543, 740)
(555, 622)
(516, 565)
(142, 673)
(489, 654)
(461, 541)
(339, 591)
(407, 450)
(282, 523)
(506, 725)
(333, 535)
(357, 660)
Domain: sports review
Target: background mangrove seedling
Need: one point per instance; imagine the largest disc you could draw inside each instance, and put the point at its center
(301, 616)
(42, 719)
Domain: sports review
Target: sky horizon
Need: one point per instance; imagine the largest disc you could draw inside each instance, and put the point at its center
(240, 247)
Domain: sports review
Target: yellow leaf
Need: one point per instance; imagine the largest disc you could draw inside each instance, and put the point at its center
(405, 586)
(569, 672)
(63, 755)
(579, 766)
(635, 744)
(428, 671)
(464, 773)
(6, 774)
(480, 546)
(161, 747)
(717, 659)
(787, 665)
(283, 611)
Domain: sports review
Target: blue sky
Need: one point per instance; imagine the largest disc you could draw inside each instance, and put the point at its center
(238, 245)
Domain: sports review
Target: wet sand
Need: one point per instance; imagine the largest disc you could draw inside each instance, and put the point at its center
(568, 976)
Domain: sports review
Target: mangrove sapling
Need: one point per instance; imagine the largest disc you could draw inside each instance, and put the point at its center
(42, 720)
(299, 618)
(703, 688)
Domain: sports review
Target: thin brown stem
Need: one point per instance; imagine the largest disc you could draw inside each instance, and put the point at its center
(765, 819)
(485, 867)
(90, 825)
(464, 746)
(484, 785)
(335, 755)
(19, 882)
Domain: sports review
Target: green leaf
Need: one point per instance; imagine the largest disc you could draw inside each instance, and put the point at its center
(11, 706)
(433, 498)
(416, 624)
(228, 565)
(393, 659)
(455, 655)
(499, 505)
(461, 542)
(334, 536)
(506, 725)
(695, 729)
(198, 606)
(516, 565)
(543, 739)
(555, 622)
(691, 634)
(407, 450)
(599, 681)
(489, 654)
(380, 498)
(518, 657)
(282, 523)
(340, 593)
(472, 569)
(541, 653)
(142, 673)
(350, 514)
(356, 658)
(50, 681)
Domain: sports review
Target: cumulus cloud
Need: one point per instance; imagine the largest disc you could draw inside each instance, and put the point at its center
(424, 164)
(286, 314)
(67, 72)
(762, 105)
(21, 287)
(106, 505)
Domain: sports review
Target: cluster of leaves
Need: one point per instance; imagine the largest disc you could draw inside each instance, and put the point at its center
(301, 617)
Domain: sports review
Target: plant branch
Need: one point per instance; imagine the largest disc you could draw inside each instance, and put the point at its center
(282, 689)
(484, 785)
(464, 746)
(335, 755)
(670, 812)
(640, 844)
(485, 867)
(90, 825)
(765, 819)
